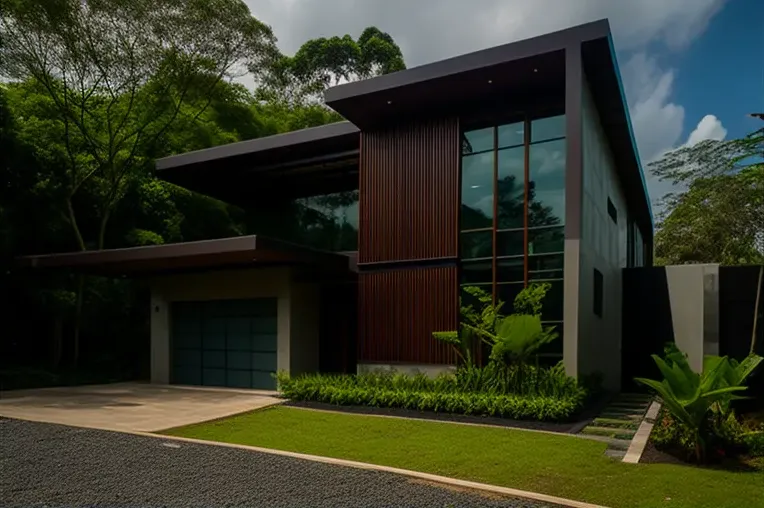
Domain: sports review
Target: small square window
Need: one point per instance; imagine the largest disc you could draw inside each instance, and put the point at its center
(598, 292)
(611, 211)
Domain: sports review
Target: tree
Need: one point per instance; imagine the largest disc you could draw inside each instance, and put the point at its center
(324, 62)
(118, 73)
(718, 216)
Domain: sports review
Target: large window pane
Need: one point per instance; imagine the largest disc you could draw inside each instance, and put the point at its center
(551, 306)
(510, 270)
(551, 127)
(510, 188)
(477, 141)
(478, 244)
(507, 293)
(542, 263)
(546, 240)
(477, 191)
(547, 184)
(510, 243)
(511, 134)
(477, 272)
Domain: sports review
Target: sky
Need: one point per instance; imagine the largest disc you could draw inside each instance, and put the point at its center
(692, 69)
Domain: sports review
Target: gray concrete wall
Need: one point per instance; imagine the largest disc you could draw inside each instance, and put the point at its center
(694, 299)
(224, 285)
(431, 370)
(603, 246)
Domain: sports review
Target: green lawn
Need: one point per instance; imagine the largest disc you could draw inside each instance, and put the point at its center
(563, 466)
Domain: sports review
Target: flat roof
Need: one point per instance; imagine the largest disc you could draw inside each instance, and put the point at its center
(237, 252)
(235, 172)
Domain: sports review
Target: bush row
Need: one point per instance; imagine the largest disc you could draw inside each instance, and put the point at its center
(370, 390)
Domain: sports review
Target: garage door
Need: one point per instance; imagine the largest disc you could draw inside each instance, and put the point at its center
(224, 343)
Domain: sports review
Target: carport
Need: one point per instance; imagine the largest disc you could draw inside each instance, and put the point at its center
(229, 312)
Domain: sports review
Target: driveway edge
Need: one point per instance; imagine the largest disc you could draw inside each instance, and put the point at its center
(387, 469)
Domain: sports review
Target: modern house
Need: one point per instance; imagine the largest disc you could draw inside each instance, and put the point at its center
(497, 168)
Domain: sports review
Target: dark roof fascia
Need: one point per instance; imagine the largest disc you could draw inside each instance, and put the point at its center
(498, 55)
(286, 140)
(243, 251)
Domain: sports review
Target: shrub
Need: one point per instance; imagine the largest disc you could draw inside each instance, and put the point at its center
(442, 394)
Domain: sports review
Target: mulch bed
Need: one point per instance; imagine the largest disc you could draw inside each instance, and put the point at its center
(652, 455)
(562, 427)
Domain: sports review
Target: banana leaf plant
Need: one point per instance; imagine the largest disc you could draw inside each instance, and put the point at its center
(690, 397)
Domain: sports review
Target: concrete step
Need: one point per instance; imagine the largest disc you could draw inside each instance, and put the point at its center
(617, 423)
(609, 432)
(615, 454)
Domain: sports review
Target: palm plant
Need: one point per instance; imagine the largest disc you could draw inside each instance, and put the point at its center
(690, 397)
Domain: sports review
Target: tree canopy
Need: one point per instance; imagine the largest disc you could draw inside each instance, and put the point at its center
(717, 216)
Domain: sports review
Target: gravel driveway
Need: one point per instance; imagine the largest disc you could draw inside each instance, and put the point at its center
(53, 465)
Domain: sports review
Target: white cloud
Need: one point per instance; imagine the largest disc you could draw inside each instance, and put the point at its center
(709, 127)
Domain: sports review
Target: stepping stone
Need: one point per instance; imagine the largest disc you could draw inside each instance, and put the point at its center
(616, 423)
(609, 432)
(616, 454)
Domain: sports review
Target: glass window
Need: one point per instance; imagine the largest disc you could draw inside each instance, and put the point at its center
(510, 188)
(506, 293)
(477, 272)
(478, 244)
(542, 263)
(545, 275)
(510, 270)
(477, 141)
(552, 308)
(510, 243)
(477, 191)
(511, 134)
(546, 206)
(328, 221)
(546, 240)
(543, 129)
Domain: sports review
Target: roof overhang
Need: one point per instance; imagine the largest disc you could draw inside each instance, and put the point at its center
(237, 172)
(521, 71)
(226, 253)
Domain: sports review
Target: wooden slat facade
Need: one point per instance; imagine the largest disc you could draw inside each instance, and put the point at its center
(399, 310)
(409, 192)
(409, 210)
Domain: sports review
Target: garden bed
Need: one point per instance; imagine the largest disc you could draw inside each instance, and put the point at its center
(546, 395)
(571, 427)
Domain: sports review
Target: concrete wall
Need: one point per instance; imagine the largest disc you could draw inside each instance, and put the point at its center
(694, 299)
(603, 246)
(297, 312)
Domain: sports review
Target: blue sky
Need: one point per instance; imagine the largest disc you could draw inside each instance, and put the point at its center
(692, 69)
(722, 73)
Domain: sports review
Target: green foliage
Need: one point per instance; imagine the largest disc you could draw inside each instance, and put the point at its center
(442, 394)
(518, 336)
(718, 216)
(530, 300)
(690, 397)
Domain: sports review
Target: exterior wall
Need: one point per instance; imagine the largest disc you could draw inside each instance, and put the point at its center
(297, 312)
(409, 206)
(694, 301)
(602, 247)
(399, 310)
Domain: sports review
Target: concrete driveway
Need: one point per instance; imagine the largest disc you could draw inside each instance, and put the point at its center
(130, 406)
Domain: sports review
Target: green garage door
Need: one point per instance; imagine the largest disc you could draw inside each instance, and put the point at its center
(224, 343)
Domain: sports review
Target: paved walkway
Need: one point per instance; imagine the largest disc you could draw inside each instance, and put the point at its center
(129, 406)
(54, 465)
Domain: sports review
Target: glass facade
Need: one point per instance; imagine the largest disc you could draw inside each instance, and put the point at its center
(513, 211)
(327, 222)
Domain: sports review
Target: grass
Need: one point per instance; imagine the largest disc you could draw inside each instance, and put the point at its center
(564, 466)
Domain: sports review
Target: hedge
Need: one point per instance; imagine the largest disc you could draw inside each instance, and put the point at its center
(347, 391)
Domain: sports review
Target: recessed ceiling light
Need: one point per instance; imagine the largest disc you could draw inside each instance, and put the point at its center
(490, 81)
(535, 70)
(389, 102)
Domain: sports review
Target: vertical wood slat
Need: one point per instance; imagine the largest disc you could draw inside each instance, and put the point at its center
(409, 175)
(399, 311)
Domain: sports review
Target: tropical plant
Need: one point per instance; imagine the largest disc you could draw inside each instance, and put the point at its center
(691, 397)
